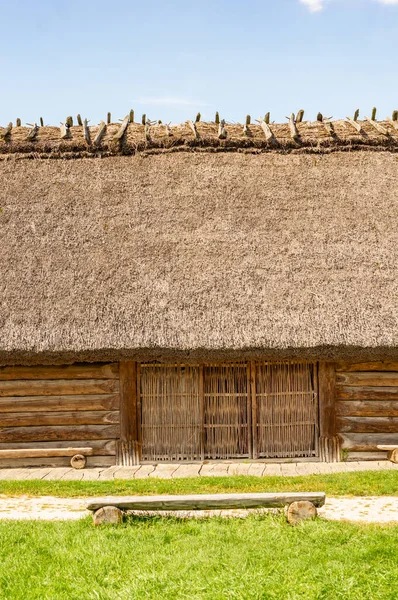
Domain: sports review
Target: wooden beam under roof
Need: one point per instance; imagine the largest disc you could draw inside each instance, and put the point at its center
(192, 126)
(86, 132)
(65, 131)
(6, 131)
(33, 132)
(293, 128)
(393, 123)
(123, 127)
(355, 124)
(377, 125)
(267, 130)
(100, 133)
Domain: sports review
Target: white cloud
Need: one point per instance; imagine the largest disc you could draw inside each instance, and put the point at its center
(313, 5)
(317, 5)
(169, 101)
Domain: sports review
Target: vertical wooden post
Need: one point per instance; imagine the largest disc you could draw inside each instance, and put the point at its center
(202, 411)
(249, 409)
(129, 447)
(329, 446)
(253, 407)
(316, 392)
(139, 410)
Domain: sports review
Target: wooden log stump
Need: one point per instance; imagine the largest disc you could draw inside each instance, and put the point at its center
(108, 515)
(300, 511)
(392, 455)
(392, 452)
(78, 461)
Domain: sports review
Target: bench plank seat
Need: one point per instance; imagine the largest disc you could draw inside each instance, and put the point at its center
(44, 452)
(206, 501)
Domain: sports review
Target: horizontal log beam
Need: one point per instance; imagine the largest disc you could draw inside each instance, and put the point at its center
(366, 393)
(59, 433)
(207, 501)
(367, 408)
(61, 387)
(367, 366)
(10, 404)
(355, 456)
(367, 425)
(376, 378)
(81, 371)
(38, 419)
(366, 442)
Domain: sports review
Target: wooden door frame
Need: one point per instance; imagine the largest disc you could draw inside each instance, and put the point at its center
(130, 443)
(329, 442)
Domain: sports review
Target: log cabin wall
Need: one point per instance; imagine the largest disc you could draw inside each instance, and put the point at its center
(99, 406)
(45, 407)
(366, 407)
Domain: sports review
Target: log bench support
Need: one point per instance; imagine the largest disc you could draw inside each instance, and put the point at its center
(392, 453)
(300, 506)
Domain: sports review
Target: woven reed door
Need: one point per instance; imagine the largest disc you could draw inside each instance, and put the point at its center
(171, 413)
(285, 410)
(226, 411)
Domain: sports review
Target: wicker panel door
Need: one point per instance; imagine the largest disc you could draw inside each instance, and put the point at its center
(226, 414)
(285, 410)
(171, 413)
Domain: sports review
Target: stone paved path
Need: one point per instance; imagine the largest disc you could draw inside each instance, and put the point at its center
(383, 509)
(173, 471)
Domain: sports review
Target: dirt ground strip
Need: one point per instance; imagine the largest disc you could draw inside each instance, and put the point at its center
(369, 509)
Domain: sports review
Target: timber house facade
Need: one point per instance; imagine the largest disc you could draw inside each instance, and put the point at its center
(198, 292)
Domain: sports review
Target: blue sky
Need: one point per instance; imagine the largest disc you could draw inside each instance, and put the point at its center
(172, 58)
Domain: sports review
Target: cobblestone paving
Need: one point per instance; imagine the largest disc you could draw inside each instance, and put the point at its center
(172, 471)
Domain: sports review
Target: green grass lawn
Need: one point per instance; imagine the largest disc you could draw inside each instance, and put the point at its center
(260, 557)
(366, 483)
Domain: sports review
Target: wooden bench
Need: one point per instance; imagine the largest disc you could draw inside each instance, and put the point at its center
(392, 452)
(78, 460)
(300, 505)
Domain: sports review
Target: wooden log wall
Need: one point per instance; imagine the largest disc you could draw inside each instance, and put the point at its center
(45, 407)
(97, 406)
(366, 407)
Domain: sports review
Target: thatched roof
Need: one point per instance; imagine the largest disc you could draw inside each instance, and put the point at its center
(311, 137)
(199, 254)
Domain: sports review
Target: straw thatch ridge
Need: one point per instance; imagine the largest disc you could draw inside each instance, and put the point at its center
(313, 137)
(187, 256)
